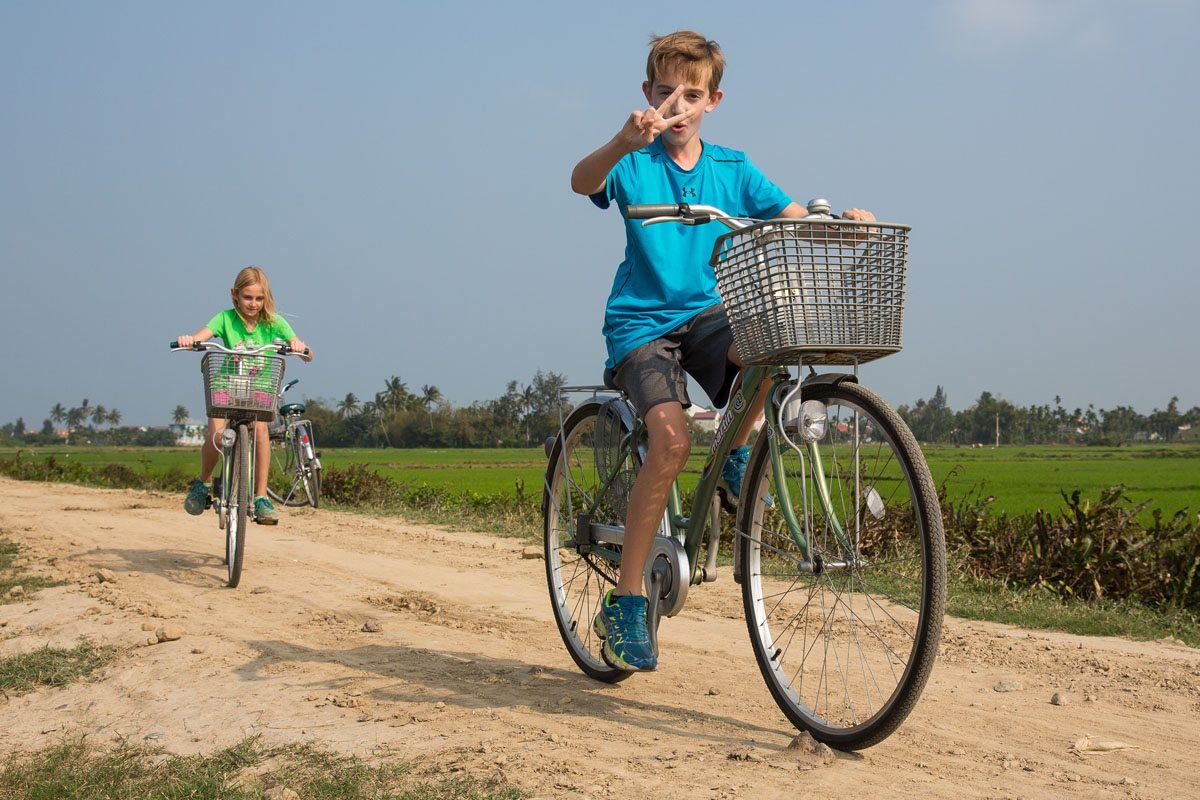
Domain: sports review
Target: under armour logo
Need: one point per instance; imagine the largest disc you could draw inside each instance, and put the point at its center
(689, 191)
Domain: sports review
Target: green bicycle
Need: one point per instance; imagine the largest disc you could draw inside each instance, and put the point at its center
(837, 541)
(240, 387)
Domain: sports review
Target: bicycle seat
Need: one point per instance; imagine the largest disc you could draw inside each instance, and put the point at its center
(609, 381)
(291, 408)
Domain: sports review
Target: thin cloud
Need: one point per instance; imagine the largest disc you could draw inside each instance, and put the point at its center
(995, 26)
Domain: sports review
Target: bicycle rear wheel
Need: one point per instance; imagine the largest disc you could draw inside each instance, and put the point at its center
(237, 507)
(578, 578)
(298, 476)
(845, 642)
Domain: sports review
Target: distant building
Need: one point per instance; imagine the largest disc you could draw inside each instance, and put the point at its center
(190, 433)
(705, 418)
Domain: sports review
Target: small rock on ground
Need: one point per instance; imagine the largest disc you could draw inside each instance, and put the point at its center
(372, 626)
(806, 745)
(16, 591)
(1060, 698)
(280, 793)
(1007, 686)
(106, 576)
(169, 633)
(531, 552)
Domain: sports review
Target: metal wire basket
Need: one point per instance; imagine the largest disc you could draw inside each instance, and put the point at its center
(241, 386)
(829, 291)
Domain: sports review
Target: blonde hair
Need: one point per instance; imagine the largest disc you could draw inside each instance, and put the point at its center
(248, 277)
(699, 59)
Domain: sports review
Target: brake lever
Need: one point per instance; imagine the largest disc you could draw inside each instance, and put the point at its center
(698, 219)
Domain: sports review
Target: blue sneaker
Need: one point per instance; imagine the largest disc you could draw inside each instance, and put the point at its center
(621, 623)
(198, 498)
(732, 475)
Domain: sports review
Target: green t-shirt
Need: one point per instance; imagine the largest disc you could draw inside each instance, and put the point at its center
(246, 381)
(229, 327)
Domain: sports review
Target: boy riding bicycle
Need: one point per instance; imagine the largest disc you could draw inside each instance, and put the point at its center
(663, 317)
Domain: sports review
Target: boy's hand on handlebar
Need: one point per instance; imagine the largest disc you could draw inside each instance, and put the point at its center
(859, 214)
(643, 127)
(186, 341)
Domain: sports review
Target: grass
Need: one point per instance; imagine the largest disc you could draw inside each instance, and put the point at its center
(1022, 478)
(993, 601)
(77, 770)
(11, 576)
(53, 666)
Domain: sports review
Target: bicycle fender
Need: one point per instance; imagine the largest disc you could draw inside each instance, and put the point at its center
(829, 379)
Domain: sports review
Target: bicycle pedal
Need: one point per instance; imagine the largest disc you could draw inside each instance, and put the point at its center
(258, 521)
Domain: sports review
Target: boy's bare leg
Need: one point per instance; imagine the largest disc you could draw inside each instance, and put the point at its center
(208, 451)
(670, 446)
(262, 458)
(755, 417)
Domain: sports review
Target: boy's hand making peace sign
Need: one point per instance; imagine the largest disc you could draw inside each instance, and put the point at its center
(643, 127)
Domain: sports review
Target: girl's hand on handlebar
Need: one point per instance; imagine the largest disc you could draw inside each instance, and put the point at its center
(299, 347)
(186, 341)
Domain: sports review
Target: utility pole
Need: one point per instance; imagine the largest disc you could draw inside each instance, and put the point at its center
(997, 429)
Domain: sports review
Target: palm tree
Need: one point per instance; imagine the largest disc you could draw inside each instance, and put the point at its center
(114, 417)
(381, 403)
(179, 415)
(396, 392)
(348, 406)
(58, 413)
(528, 397)
(99, 415)
(76, 416)
(430, 397)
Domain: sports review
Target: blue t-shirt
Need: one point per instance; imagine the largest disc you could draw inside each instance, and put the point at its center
(665, 279)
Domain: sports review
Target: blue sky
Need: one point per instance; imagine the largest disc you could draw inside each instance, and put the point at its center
(401, 172)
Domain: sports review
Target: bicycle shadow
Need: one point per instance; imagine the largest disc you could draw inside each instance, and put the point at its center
(473, 681)
(185, 567)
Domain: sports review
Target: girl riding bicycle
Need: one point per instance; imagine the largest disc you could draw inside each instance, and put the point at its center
(252, 322)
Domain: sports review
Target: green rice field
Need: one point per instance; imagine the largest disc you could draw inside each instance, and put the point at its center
(1021, 479)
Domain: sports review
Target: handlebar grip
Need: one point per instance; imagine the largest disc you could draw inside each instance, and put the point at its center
(651, 210)
(174, 344)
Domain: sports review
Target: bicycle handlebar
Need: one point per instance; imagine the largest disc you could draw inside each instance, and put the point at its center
(281, 349)
(651, 210)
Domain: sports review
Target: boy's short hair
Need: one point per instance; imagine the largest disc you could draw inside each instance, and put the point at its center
(699, 59)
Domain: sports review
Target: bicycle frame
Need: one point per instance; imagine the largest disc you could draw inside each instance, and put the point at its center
(691, 529)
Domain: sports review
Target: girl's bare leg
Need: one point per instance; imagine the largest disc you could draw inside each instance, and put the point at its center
(262, 458)
(209, 453)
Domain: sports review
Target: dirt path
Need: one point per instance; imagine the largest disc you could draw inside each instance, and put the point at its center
(468, 671)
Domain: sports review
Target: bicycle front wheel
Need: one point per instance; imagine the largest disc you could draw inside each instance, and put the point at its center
(238, 507)
(579, 578)
(845, 635)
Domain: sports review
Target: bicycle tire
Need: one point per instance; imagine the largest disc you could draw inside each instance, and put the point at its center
(305, 485)
(575, 607)
(886, 564)
(239, 490)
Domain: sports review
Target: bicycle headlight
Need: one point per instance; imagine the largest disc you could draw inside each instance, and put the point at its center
(814, 420)
(228, 437)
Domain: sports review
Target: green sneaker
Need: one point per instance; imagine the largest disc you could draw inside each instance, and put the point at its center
(264, 512)
(197, 498)
(621, 623)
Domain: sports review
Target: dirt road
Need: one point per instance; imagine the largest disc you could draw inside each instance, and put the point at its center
(468, 672)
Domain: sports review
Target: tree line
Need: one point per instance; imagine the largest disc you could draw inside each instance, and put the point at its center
(933, 420)
(526, 413)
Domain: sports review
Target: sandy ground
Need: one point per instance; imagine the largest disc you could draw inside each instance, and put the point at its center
(468, 672)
